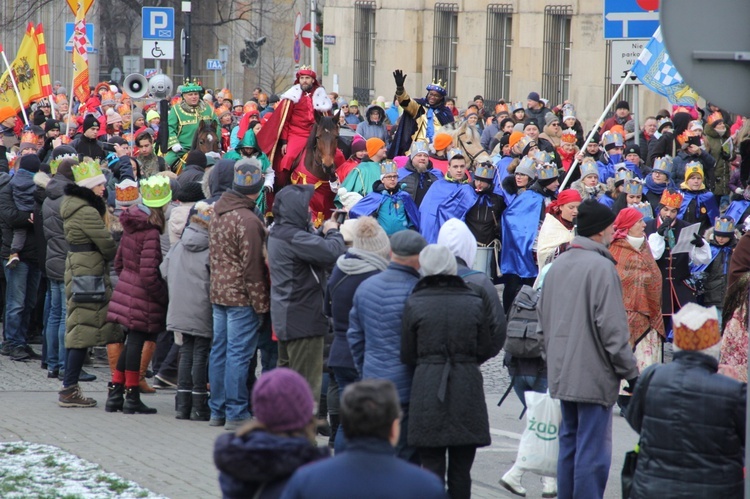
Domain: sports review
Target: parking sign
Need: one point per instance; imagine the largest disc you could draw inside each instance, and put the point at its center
(158, 23)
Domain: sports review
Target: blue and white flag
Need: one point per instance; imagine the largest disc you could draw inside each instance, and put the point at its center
(654, 69)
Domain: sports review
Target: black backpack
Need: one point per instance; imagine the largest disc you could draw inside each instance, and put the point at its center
(523, 340)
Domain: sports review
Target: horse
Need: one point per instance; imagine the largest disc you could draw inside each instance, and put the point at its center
(206, 140)
(317, 165)
(468, 138)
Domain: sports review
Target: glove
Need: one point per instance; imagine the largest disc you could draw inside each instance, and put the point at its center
(399, 77)
(697, 241)
(664, 227)
(631, 385)
(176, 148)
(739, 190)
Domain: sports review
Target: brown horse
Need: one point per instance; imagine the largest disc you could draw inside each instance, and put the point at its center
(317, 166)
(206, 140)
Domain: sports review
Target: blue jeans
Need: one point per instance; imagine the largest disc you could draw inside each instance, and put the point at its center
(523, 384)
(20, 299)
(55, 327)
(235, 340)
(585, 450)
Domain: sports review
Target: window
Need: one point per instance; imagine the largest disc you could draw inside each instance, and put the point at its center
(364, 51)
(609, 87)
(556, 60)
(445, 40)
(497, 61)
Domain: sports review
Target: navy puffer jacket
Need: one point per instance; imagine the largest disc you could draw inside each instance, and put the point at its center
(139, 301)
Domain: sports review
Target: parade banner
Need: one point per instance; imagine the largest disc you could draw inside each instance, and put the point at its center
(80, 56)
(654, 69)
(42, 59)
(26, 72)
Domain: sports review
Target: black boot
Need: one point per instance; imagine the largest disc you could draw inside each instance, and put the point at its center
(200, 410)
(334, 429)
(133, 404)
(324, 429)
(182, 403)
(115, 399)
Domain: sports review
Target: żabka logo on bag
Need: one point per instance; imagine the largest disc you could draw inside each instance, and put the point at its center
(543, 430)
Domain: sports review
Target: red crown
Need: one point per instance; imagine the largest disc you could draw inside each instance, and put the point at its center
(671, 199)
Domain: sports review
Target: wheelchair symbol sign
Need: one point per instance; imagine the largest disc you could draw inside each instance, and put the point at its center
(158, 49)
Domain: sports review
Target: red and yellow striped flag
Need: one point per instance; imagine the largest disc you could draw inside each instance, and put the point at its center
(80, 56)
(26, 72)
(43, 64)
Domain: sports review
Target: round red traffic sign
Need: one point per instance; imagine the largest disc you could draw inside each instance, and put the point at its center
(307, 34)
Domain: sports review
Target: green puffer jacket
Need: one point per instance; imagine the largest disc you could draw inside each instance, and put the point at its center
(82, 213)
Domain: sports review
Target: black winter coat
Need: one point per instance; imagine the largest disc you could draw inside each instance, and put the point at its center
(57, 246)
(11, 218)
(447, 405)
(692, 426)
(417, 184)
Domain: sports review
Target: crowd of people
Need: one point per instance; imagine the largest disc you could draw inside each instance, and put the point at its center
(339, 272)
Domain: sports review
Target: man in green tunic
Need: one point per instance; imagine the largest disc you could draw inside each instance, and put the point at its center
(183, 121)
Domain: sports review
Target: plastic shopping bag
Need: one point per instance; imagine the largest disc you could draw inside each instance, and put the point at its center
(540, 443)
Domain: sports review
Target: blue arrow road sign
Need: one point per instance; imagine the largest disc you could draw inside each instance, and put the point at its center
(625, 19)
(90, 31)
(158, 23)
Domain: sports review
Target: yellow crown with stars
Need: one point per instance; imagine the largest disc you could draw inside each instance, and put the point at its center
(156, 191)
(86, 170)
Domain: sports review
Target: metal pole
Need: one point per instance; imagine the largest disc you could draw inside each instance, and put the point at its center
(637, 113)
(594, 128)
(186, 8)
(313, 23)
(15, 87)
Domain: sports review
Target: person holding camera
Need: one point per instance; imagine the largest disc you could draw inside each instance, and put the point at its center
(663, 234)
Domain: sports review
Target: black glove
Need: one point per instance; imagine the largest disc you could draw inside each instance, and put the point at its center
(697, 241)
(399, 77)
(631, 385)
(664, 227)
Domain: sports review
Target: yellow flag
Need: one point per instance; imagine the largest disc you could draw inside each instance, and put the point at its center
(27, 74)
(80, 56)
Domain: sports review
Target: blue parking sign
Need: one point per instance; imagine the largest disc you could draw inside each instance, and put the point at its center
(158, 23)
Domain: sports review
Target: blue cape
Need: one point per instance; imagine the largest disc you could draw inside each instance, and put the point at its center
(736, 209)
(520, 224)
(715, 250)
(370, 204)
(501, 173)
(444, 200)
(704, 199)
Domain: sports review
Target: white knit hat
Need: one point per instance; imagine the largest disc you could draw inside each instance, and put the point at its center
(370, 236)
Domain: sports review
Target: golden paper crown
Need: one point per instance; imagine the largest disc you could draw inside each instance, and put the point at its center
(696, 328)
(714, 118)
(569, 136)
(193, 85)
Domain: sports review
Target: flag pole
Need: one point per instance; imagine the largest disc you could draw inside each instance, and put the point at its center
(70, 101)
(596, 127)
(15, 87)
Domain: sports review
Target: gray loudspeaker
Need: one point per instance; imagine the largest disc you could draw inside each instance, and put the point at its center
(136, 85)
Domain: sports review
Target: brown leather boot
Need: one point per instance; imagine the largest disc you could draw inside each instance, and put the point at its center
(113, 354)
(149, 347)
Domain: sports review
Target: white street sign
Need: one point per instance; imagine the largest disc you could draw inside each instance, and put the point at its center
(624, 55)
(158, 49)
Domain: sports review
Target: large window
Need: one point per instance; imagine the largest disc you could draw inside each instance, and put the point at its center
(445, 41)
(364, 51)
(556, 61)
(609, 87)
(497, 61)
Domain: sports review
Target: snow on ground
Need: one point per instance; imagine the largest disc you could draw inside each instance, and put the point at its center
(47, 472)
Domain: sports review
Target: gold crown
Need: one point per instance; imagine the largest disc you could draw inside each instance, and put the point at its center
(88, 168)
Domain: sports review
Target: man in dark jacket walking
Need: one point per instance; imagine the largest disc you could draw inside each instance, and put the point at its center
(298, 260)
(695, 449)
(586, 342)
(370, 414)
(374, 333)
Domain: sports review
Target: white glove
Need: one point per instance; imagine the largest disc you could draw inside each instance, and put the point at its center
(739, 190)
(210, 154)
(176, 148)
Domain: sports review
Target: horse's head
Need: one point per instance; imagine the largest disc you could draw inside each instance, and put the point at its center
(206, 138)
(326, 141)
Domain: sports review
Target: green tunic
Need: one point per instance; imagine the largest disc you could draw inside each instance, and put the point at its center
(182, 123)
(362, 177)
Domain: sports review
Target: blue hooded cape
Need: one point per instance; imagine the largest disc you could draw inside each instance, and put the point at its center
(520, 224)
(444, 200)
(370, 205)
(704, 200)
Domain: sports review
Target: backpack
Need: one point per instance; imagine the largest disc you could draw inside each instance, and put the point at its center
(523, 340)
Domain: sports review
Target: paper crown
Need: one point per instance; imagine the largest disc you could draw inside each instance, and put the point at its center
(454, 152)
(569, 136)
(589, 167)
(226, 94)
(191, 86)
(305, 70)
(546, 172)
(485, 171)
(696, 328)
(250, 175)
(127, 193)
(623, 173)
(527, 166)
(664, 122)
(31, 137)
(646, 210)
(663, 165)
(86, 169)
(543, 157)
(568, 111)
(419, 147)
(671, 199)
(524, 142)
(724, 226)
(156, 191)
(612, 139)
(517, 106)
(388, 167)
(692, 168)
(687, 134)
(501, 107)
(437, 86)
(633, 186)
(715, 118)
(54, 164)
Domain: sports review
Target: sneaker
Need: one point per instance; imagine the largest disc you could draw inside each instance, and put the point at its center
(233, 424)
(163, 383)
(6, 349)
(216, 422)
(13, 261)
(549, 487)
(86, 377)
(511, 481)
(53, 373)
(19, 353)
(73, 397)
(32, 354)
